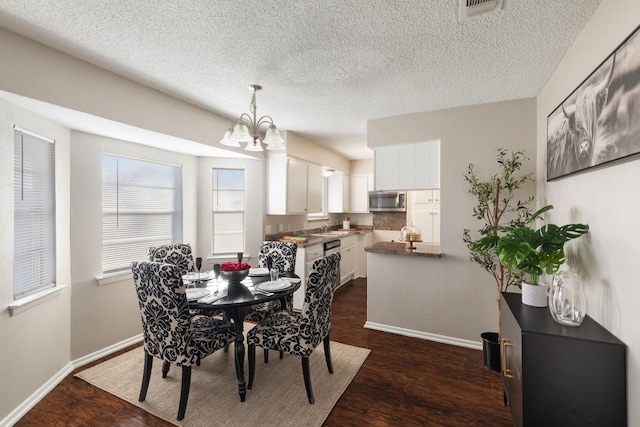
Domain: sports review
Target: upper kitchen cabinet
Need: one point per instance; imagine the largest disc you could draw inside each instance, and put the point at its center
(407, 167)
(293, 186)
(360, 187)
(338, 189)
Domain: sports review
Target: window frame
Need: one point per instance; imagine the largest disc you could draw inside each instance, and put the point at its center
(214, 212)
(36, 241)
(171, 195)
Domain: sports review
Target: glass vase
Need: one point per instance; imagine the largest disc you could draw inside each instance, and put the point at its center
(567, 303)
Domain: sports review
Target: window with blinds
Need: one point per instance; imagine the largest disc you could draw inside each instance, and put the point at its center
(34, 213)
(228, 211)
(141, 207)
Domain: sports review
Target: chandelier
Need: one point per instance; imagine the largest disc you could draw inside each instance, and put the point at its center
(247, 129)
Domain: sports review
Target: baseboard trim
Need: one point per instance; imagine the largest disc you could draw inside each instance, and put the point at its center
(424, 335)
(81, 361)
(15, 415)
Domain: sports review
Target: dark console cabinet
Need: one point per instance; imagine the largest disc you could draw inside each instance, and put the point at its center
(555, 375)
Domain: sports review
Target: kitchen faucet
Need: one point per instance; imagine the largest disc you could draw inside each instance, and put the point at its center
(323, 229)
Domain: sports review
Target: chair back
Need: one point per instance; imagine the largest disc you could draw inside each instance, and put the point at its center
(282, 254)
(178, 254)
(164, 310)
(316, 311)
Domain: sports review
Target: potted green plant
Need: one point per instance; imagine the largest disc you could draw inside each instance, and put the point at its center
(532, 251)
(497, 205)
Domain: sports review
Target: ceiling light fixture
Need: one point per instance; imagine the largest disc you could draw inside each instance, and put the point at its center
(247, 129)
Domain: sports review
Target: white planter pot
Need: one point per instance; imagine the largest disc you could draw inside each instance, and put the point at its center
(534, 295)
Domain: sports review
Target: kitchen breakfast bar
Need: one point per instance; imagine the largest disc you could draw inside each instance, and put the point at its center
(409, 292)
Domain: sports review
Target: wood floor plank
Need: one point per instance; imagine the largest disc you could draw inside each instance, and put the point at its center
(404, 382)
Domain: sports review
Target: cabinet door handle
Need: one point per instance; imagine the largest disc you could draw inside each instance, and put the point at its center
(505, 371)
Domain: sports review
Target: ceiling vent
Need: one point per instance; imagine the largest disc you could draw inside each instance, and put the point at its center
(471, 8)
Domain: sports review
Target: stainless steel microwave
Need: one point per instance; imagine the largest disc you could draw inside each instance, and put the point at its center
(387, 201)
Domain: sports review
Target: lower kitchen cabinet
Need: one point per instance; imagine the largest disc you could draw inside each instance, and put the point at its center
(348, 259)
(555, 375)
(305, 257)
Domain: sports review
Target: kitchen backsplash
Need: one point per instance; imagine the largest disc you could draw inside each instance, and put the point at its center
(389, 220)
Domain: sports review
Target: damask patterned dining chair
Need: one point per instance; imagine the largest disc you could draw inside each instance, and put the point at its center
(300, 333)
(172, 333)
(181, 256)
(178, 254)
(280, 255)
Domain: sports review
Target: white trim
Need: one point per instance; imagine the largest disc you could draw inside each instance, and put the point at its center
(25, 303)
(476, 345)
(77, 363)
(34, 134)
(15, 415)
(117, 276)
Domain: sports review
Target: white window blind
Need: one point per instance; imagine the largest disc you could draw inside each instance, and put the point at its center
(34, 213)
(141, 207)
(228, 211)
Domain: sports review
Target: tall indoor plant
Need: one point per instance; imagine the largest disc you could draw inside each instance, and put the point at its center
(497, 205)
(531, 251)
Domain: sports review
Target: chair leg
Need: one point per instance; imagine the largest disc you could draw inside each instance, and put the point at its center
(327, 354)
(266, 356)
(146, 375)
(252, 364)
(281, 354)
(307, 379)
(184, 391)
(165, 369)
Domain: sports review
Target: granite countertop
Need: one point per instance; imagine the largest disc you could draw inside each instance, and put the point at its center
(399, 248)
(314, 236)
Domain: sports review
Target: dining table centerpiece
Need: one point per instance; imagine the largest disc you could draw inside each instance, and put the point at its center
(234, 272)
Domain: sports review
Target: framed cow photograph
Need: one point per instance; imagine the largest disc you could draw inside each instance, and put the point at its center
(600, 121)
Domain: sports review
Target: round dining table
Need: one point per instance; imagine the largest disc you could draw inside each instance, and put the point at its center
(237, 303)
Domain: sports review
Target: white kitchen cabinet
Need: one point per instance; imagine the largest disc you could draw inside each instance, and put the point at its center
(364, 240)
(425, 214)
(305, 257)
(338, 188)
(348, 258)
(360, 187)
(293, 186)
(386, 168)
(407, 167)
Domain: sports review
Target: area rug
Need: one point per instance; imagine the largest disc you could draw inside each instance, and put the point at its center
(278, 397)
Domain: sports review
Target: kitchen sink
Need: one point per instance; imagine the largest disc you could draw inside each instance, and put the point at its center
(332, 233)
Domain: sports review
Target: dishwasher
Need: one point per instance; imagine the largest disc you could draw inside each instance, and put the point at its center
(333, 247)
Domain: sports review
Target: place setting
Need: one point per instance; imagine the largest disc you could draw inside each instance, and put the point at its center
(278, 285)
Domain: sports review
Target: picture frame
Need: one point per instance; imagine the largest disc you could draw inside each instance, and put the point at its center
(599, 122)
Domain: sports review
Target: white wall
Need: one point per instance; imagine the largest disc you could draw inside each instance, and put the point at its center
(451, 296)
(606, 198)
(35, 343)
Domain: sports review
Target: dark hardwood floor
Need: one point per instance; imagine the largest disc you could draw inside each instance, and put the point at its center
(404, 382)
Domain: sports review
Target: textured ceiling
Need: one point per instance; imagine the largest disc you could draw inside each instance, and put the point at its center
(326, 67)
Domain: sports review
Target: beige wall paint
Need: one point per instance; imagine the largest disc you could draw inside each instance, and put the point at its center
(606, 198)
(36, 71)
(35, 342)
(450, 296)
(302, 148)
